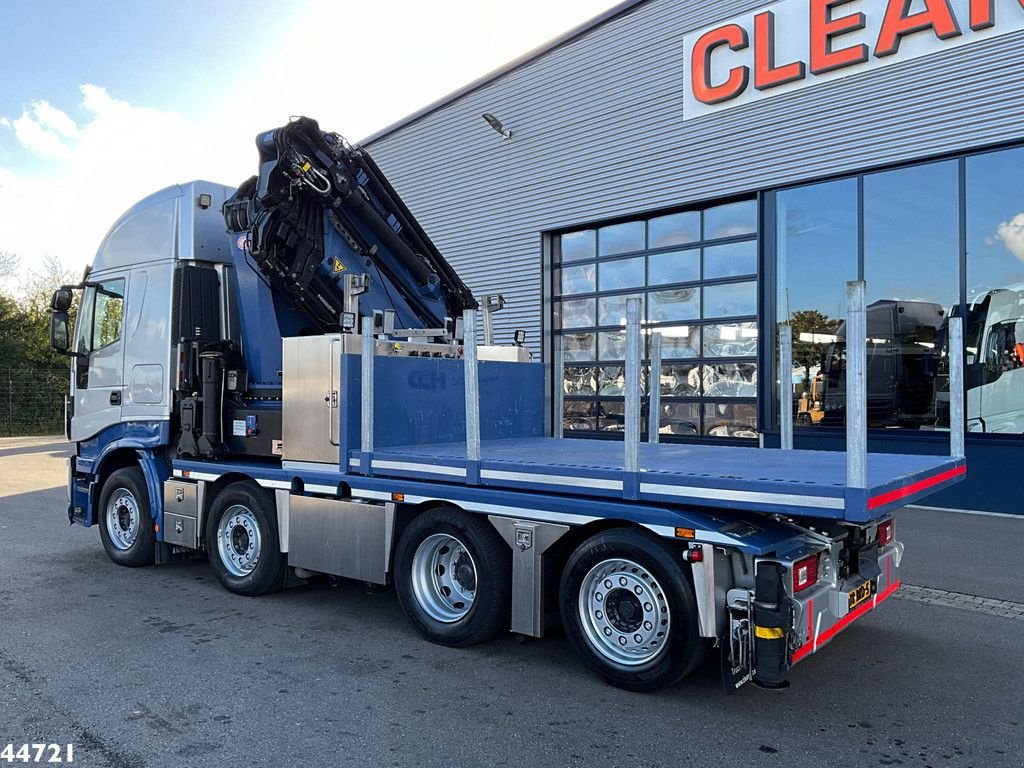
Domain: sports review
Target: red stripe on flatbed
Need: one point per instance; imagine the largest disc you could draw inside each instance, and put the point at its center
(812, 644)
(901, 493)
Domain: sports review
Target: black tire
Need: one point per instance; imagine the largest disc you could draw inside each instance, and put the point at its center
(250, 505)
(125, 519)
(491, 558)
(672, 656)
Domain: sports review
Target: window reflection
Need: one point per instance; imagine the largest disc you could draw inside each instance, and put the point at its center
(730, 300)
(677, 229)
(994, 325)
(673, 267)
(731, 220)
(623, 273)
(579, 279)
(621, 238)
(612, 309)
(730, 420)
(680, 341)
(731, 260)
(670, 306)
(708, 341)
(577, 246)
(578, 314)
(817, 253)
(731, 340)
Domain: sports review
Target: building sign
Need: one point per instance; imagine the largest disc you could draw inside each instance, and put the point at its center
(796, 43)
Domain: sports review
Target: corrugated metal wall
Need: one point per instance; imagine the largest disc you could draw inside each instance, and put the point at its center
(598, 133)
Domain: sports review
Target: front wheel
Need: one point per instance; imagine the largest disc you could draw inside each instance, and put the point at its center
(630, 612)
(242, 541)
(126, 527)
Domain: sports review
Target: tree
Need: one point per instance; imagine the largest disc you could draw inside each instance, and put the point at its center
(9, 262)
(806, 353)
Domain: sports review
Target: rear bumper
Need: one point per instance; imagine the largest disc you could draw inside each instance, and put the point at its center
(823, 612)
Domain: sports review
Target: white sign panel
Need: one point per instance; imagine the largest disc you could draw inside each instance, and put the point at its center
(798, 43)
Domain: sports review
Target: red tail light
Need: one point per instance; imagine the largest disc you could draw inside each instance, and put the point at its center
(805, 573)
(886, 532)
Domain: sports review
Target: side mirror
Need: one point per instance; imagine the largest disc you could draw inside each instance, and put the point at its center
(61, 301)
(59, 335)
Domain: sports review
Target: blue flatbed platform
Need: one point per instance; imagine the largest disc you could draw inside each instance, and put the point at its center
(795, 482)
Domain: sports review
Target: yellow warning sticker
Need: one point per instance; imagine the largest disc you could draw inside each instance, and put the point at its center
(338, 266)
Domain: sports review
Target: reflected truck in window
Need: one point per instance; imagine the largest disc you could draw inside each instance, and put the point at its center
(994, 356)
(901, 367)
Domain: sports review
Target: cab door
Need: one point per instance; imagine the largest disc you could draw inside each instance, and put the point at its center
(99, 368)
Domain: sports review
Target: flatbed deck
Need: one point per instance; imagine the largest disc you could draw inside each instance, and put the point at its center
(796, 482)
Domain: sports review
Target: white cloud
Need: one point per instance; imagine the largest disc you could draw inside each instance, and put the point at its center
(36, 136)
(1011, 233)
(115, 155)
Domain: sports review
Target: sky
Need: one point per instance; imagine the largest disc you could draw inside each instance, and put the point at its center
(102, 103)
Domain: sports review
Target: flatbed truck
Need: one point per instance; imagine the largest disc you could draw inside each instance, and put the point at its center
(287, 377)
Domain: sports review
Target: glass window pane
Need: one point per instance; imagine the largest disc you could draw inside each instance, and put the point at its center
(995, 294)
(679, 341)
(580, 416)
(677, 229)
(673, 267)
(732, 340)
(612, 309)
(731, 260)
(680, 380)
(577, 246)
(911, 265)
(731, 380)
(579, 279)
(730, 420)
(611, 380)
(817, 236)
(612, 415)
(679, 419)
(731, 220)
(624, 273)
(578, 380)
(578, 313)
(612, 345)
(107, 313)
(621, 238)
(677, 304)
(578, 347)
(734, 299)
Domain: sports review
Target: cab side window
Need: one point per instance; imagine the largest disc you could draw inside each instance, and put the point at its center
(100, 316)
(107, 315)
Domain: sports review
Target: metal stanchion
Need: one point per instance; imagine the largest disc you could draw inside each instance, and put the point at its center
(469, 360)
(786, 385)
(856, 386)
(654, 383)
(632, 405)
(957, 417)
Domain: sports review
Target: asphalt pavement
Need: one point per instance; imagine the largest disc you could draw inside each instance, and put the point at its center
(162, 667)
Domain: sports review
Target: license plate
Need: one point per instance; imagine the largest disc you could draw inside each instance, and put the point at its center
(859, 594)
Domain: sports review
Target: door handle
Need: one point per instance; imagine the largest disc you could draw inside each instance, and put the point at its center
(115, 398)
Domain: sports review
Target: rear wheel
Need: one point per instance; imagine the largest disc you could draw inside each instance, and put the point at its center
(630, 612)
(126, 526)
(453, 577)
(242, 541)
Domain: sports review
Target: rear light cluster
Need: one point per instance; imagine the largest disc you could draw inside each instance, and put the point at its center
(886, 532)
(805, 573)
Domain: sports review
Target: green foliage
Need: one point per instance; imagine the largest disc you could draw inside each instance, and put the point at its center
(33, 377)
(807, 354)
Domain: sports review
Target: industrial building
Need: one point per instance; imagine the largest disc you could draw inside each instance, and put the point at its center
(734, 164)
